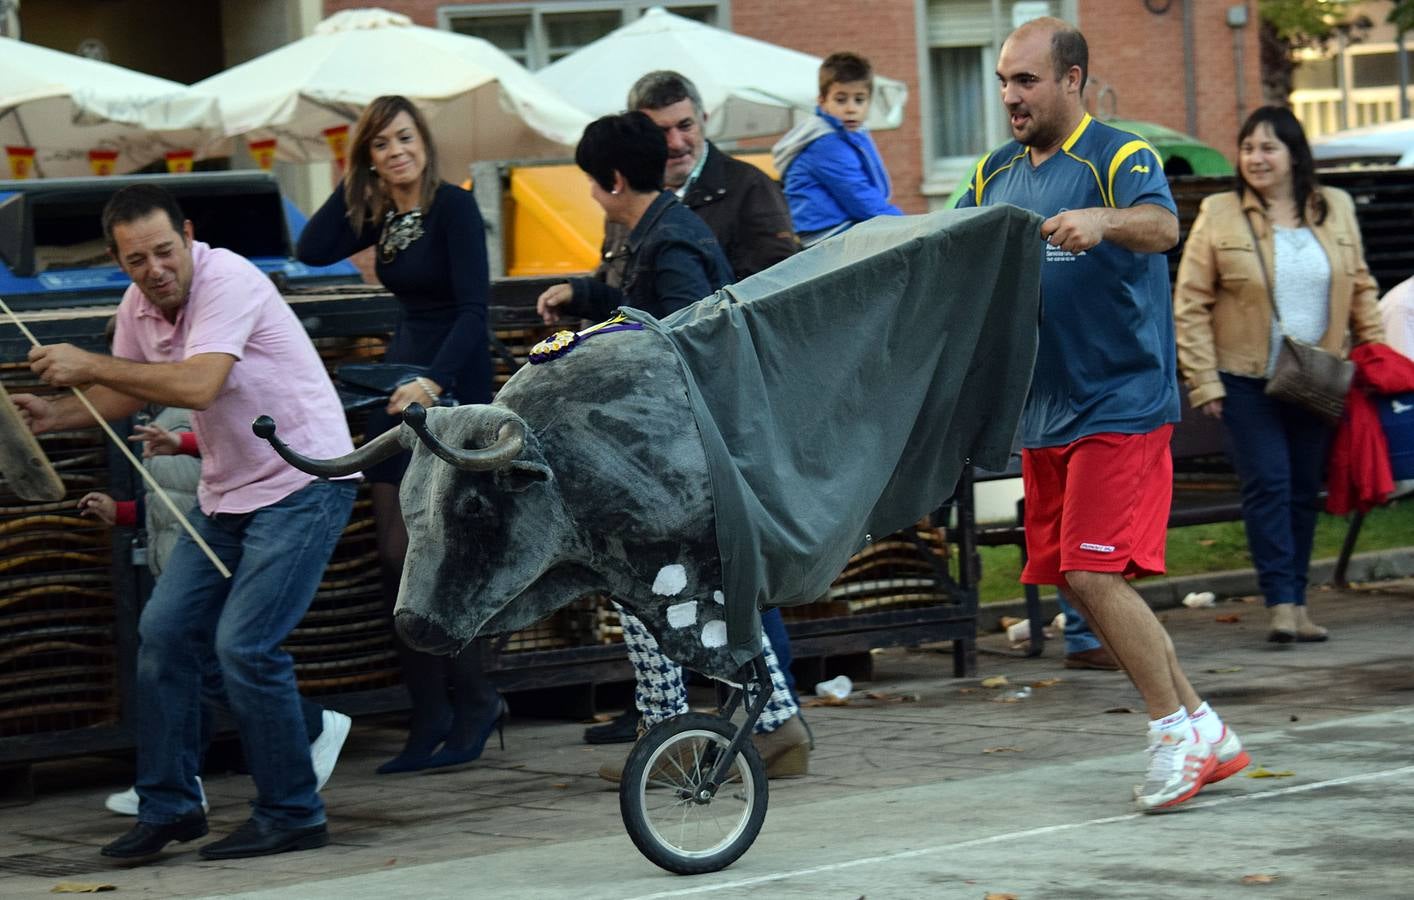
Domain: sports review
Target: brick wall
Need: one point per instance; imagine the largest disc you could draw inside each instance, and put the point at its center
(422, 12)
(1139, 56)
(1136, 54)
(881, 30)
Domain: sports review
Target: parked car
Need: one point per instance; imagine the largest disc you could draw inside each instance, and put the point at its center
(1387, 144)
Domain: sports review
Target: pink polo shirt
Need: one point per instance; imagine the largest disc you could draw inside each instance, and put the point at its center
(234, 308)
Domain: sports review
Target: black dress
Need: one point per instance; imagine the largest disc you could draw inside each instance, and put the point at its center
(435, 264)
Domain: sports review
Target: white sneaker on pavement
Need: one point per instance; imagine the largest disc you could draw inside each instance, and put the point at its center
(324, 752)
(1179, 765)
(125, 803)
(1231, 758)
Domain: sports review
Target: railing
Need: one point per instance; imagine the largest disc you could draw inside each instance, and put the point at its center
(1320, 110)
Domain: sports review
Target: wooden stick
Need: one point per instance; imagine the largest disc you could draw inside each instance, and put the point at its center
(122, 445)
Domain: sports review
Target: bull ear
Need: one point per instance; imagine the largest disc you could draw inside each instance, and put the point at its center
(521, 474)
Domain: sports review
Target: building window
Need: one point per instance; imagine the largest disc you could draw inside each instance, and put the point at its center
(537, 34)
(965, 114)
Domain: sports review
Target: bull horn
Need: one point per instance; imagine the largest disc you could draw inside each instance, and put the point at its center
(510, 440)
(380, 448)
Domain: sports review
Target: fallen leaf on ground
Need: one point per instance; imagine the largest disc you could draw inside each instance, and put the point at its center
(994, 895)
(392, 861)
(560, 784)
(891, 698)
(995, 681)
(1260, 772)
(824, 701)
(1206, 542)
(1119, 709)
(1002, 750)
(81, 887)
(1225, 670)
(1228, 618)
(1047, 682)
(1258, 879)
(967, 690)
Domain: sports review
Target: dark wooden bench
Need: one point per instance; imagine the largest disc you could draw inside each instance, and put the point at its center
(1205, 491)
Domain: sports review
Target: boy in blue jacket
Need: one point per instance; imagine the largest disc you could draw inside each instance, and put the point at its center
(833, 174)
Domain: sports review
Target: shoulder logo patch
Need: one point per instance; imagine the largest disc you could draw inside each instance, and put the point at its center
(1139, 167)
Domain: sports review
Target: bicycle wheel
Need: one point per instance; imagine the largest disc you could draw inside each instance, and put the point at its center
(665, 816)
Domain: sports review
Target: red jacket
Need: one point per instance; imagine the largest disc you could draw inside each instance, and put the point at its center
(1359, 474)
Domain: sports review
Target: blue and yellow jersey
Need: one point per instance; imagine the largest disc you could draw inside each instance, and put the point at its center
(1106, 361)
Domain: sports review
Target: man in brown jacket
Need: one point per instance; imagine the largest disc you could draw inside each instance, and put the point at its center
(740, 203)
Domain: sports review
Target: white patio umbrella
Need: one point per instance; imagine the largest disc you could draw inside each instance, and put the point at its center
(749, 87)
(480, 103)
(64, 106)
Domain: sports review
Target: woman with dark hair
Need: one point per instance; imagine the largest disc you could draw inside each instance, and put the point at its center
(673, 259)
(1279, 255)
(431, 254)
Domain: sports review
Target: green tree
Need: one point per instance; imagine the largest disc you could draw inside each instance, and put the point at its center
(1291, 25)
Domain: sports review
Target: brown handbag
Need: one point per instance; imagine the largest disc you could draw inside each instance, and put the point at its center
(1305, 375)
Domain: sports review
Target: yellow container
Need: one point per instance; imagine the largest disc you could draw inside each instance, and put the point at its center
(553, 226)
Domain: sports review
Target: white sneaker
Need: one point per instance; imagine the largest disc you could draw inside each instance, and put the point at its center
(1231, 758)
(1178, 768)
(324, 752)
(125, 803)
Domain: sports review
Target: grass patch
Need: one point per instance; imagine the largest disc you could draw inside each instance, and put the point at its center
(1219, 548)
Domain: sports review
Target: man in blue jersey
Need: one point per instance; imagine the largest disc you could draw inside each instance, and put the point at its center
(1095, 431)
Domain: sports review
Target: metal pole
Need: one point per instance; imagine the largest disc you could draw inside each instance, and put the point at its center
(1237, 24)
(1401, 56)
(1342, 81)
(10, 18)
(1190, 77)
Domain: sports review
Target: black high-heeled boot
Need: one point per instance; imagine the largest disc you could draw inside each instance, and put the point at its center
(478, 709)
(425, 677)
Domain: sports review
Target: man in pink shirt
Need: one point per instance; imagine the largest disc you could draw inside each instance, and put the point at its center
(204, 329)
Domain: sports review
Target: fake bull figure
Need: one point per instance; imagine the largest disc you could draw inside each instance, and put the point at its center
(729, 457)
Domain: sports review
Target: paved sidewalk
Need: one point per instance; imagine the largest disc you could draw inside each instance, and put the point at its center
(930, 787)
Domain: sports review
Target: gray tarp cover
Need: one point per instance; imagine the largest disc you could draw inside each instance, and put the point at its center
(839, 392)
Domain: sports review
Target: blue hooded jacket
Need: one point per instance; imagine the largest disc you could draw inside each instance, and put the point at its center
(833, 176)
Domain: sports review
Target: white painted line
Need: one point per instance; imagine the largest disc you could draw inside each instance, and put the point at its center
(1029, 832)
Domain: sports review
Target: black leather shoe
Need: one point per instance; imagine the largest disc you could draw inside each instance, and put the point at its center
(262, 839)
(621, 730)
(144, 839)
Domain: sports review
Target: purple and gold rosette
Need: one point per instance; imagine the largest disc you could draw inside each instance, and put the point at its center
(562, 342)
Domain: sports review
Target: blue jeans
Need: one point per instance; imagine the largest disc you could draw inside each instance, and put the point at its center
(1078, 636)
(775, 628)
(1279, 452)
(277, 556)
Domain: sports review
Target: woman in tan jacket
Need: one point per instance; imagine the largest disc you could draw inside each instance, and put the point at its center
(1279, 238)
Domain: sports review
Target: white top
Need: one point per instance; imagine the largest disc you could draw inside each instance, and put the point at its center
(1397, 313)
(1302, 289)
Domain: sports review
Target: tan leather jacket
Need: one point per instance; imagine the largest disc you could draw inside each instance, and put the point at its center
(1221, 303)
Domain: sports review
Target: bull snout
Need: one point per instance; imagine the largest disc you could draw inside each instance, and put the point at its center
(420, 634)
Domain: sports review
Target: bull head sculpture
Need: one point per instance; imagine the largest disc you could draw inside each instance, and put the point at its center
(468, 510)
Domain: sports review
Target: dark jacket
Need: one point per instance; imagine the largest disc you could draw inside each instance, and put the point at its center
(741, 204)
(671, 260)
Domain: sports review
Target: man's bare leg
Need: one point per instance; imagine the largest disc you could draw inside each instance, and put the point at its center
(1129, 629)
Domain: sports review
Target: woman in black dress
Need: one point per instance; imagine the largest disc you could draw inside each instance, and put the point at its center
(431, 254)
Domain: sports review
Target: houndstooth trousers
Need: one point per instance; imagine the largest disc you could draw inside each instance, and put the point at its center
(661, 693)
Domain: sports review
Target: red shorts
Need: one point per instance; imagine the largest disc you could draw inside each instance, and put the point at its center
(1099, 504)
